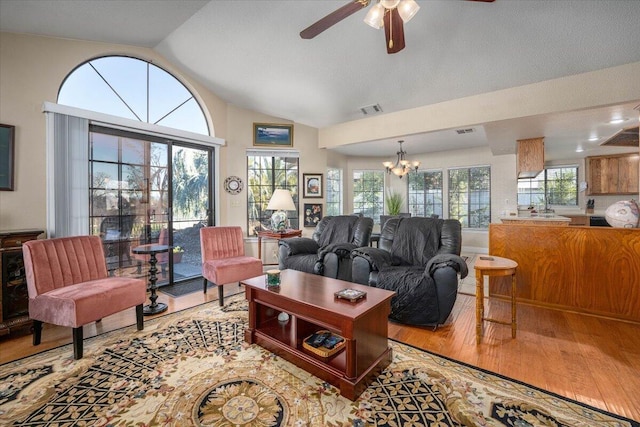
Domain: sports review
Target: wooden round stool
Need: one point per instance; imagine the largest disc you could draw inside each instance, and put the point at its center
(487, 265)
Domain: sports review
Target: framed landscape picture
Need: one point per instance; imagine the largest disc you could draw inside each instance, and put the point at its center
(312, 185)
(272, 135)
(7, 135)
(312, 214)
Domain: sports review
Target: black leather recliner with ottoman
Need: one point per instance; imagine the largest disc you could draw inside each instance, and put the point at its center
(418, 258)
(328, 251)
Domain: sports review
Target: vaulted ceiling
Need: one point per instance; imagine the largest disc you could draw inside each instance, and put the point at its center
(251, 55)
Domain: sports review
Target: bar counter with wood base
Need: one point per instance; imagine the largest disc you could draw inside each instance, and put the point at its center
(310, 302)
(593, 270)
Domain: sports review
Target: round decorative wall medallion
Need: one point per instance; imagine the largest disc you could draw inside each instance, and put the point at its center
(233, 185)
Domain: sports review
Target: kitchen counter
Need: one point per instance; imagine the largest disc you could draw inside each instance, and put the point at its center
(543, 219)
(591, 270)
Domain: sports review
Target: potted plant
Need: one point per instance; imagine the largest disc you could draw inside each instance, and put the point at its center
(177, 254)
(394, 202)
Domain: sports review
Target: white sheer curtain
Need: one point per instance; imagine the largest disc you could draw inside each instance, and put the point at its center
(67, 175)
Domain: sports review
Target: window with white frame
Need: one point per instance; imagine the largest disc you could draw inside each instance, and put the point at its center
(557, 186)
(334, 192)
(425, 193)
(470, 196)
(267, 172)
(368, 193)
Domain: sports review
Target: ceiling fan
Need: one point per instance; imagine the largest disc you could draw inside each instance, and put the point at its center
(392, 14)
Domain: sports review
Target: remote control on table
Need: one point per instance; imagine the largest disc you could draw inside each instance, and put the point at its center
(332, 341)
(319, 339)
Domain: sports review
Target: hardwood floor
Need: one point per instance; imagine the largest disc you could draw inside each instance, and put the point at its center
(592, 360)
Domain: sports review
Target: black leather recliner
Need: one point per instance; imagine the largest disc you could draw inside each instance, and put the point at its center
(328, 252)
(418, 258)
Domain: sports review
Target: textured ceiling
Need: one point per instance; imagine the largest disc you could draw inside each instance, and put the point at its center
(250, 54)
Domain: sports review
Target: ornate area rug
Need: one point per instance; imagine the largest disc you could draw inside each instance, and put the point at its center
(192, 368)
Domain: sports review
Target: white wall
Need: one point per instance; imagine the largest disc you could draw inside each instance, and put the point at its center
(32, 69)
(233, 208)
(609, 86)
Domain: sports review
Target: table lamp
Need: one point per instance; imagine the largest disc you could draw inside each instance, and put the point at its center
(280, 202)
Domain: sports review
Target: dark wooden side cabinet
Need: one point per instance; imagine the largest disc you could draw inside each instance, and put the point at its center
(14, 299)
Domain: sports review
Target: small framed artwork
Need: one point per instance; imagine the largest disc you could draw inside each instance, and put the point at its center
(312, 214)
(7, 148)
(312, 185)
(272, 135)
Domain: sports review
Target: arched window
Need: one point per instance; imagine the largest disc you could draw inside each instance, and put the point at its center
(135, 89)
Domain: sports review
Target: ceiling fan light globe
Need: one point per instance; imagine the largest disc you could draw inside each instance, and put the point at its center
(389, 4)
(375, 16)
(407, 9)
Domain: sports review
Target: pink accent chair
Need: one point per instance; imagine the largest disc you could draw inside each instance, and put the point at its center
(223, 258)
(68, 285)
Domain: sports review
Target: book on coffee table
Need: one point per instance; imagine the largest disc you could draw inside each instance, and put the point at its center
(350, 294)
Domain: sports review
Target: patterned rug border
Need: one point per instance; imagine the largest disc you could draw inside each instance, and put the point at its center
(231, 298)
(633, 423)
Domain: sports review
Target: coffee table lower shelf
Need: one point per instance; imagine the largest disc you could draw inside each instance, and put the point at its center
(327, 369)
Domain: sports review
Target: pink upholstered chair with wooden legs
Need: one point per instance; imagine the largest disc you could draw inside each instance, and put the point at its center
(68, 285)
(223, 258)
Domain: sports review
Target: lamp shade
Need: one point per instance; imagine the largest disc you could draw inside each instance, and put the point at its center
(281, 200)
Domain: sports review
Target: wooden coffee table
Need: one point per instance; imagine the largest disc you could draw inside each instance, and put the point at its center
(309, 300)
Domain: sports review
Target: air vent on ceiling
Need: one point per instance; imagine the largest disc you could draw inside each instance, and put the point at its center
(463, 131)
(625, 138)
(371, 109)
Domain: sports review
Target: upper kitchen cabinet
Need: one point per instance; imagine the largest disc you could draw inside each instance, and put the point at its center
(530, 157)
(613, 174)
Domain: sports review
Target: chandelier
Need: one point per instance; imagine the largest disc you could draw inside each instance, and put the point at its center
(402, 166)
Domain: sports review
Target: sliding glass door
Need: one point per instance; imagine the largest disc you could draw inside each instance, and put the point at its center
(146, 190)
(191, 207)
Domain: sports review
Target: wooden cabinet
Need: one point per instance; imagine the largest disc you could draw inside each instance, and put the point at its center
(614, 174)
(14, 299)
(530, 157)
(628, 171)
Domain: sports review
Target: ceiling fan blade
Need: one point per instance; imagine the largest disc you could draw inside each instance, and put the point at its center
(393, 31)
(333, 18)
